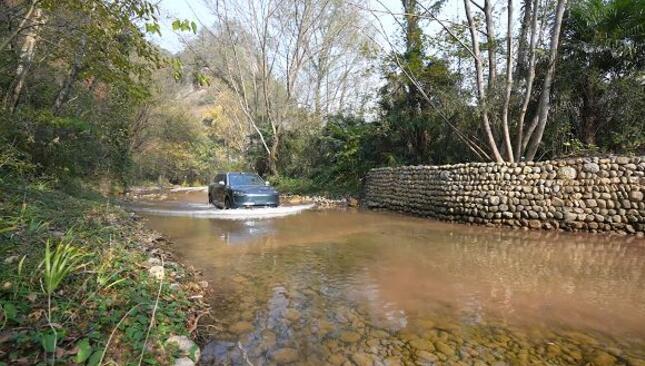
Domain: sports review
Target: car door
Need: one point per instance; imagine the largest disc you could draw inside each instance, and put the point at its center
(218, 190)
(212, 190)
(222, 196)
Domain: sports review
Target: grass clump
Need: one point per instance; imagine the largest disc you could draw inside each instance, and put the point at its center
(73, 274)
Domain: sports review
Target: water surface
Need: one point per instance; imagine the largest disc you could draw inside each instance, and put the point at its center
(336, 286)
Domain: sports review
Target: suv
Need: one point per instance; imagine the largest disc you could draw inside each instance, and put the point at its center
(234, 190)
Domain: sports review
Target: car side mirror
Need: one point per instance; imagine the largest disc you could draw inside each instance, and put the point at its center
(267, 183)
(221, 183)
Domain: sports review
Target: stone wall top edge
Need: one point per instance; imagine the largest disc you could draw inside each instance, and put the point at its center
(618, 159)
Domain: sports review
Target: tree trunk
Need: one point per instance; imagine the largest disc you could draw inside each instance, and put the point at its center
(63, 94)
(22, 26)
(490, 40)
(273, 155)
(523, 45)
(544, 105)
(27, 52)
(509, 83)
(590, 114)
(481, 89)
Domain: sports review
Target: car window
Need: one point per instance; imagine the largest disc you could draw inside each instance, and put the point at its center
(245, 180)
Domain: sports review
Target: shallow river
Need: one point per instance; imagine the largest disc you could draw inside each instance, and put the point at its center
(368, 288)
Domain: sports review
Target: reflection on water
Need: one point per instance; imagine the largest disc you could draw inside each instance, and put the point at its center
(373, 288)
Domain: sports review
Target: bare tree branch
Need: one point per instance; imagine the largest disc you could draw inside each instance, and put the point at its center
(481, 91)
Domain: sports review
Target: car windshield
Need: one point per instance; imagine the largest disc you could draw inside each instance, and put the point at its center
(245, 180)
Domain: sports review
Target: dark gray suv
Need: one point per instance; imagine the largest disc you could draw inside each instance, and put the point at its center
(241, 189)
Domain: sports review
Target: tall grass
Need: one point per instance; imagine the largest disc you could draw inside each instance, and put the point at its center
(57, 265)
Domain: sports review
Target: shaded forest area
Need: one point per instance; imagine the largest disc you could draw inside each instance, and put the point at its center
(314, 93)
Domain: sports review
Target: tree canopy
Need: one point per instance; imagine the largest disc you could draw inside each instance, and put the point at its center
(315, 91)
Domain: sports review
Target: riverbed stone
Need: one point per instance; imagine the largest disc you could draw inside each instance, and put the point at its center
(633, 361)
(362, 359)
(392, 361)
(285, 355)
(444, 348)
(241, 327)
(427, 357)
(292, 315)
(349, 336)
(216, 353)
(269, 339)
(602, 358)
(336, 359)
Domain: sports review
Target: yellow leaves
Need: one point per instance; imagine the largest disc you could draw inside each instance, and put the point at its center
(216, 113)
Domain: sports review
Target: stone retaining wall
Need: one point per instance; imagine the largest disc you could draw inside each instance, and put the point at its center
(583, 194)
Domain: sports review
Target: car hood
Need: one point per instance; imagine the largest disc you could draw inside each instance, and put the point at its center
(254, 189)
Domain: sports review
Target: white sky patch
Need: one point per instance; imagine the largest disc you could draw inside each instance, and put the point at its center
(199, 12)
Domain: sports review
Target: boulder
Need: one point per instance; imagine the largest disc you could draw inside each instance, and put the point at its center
(591, 168)
(636, 196)
(567, 173)
(185, 345)
(183, 361)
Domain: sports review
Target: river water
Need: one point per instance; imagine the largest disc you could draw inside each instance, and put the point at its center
(347, 286)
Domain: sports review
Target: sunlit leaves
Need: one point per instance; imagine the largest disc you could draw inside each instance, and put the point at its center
(201, 79)
(153, 28)
(84, 351)
(184, 25)
(48, 341)
(176, 66)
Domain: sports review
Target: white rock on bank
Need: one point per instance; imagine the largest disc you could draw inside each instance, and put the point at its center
(184, 361)
(156, 272)
(11, 259)
(185, 345)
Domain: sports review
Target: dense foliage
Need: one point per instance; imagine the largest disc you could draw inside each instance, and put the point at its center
(97, 100)
(71, 277)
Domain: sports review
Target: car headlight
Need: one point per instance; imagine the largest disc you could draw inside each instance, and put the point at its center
(238, 193)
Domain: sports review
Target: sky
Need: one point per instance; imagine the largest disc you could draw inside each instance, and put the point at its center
(192, 9)
(198, 10)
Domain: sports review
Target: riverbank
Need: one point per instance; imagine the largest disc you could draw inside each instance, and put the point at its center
(83, 282)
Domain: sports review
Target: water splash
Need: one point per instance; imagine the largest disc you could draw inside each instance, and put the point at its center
(204, 211)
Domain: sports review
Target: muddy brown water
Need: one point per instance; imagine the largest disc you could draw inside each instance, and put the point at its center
(347, 286)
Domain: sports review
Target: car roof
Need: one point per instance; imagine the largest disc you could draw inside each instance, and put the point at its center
(240, 173)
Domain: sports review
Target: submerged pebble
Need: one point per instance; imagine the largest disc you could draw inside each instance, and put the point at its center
(349, 336)
(285, 355)
(241, 327)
